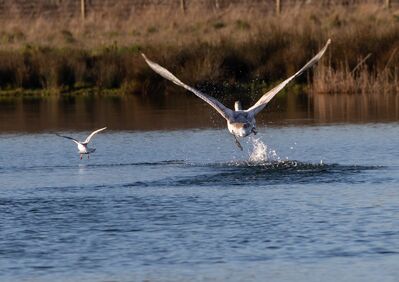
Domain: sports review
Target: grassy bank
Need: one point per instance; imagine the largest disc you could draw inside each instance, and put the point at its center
(238, 50)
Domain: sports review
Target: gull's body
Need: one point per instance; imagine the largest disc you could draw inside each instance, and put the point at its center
(83, 148)
(240, 123)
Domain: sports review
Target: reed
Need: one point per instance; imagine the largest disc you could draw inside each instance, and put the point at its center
(236, 49)
(362, 81)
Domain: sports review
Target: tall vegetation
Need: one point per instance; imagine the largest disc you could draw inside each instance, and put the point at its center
(237, 49)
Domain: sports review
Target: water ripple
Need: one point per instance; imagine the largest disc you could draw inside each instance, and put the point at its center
(103, 165)
(264, 173)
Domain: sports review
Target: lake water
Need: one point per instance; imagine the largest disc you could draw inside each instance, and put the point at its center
(307, 199)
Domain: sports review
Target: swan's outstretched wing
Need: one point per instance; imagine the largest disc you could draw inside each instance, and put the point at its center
(92, 134)
(67, 137)
(269, 95)
(223, 110)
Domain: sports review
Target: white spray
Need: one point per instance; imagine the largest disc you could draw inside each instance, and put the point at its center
(260, 152)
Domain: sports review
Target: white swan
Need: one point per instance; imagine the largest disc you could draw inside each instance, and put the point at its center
(240, 123)
(82, 146)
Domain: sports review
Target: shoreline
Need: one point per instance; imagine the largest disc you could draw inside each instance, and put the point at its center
(217, 51)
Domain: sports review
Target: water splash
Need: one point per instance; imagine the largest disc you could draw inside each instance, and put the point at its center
(259, 150)
(261, 153)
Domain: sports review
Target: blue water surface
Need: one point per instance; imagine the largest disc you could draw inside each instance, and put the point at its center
(303, 203)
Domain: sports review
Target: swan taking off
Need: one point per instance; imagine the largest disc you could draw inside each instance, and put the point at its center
(240, 123)
(82, 146)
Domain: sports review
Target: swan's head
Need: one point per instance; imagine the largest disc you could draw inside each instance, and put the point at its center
(241, 129)
(237, 106)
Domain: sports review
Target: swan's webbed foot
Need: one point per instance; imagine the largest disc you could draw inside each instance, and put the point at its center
(81, 156)
(238, 143)
(254, 131)
(88, 156)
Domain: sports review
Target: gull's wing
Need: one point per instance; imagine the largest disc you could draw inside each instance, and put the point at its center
(67, 137)
(223, 110)
(269, 95)
(92, 134)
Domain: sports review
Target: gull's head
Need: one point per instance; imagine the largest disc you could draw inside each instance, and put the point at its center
(237, 106)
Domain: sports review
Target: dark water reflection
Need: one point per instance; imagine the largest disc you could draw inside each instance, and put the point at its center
(179, 111)
(355, 108)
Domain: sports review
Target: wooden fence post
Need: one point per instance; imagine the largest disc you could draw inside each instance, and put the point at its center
(278, 7)
(83, 9)
(183, 6)
(388, 4)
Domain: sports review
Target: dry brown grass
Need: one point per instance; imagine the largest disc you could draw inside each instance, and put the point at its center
(364, 81)
(230, 48)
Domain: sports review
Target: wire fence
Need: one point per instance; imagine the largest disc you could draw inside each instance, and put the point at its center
(83, 8)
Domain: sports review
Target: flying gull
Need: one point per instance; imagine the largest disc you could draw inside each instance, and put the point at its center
(82, 146)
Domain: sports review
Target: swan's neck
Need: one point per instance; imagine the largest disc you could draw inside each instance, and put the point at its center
(237, 106)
